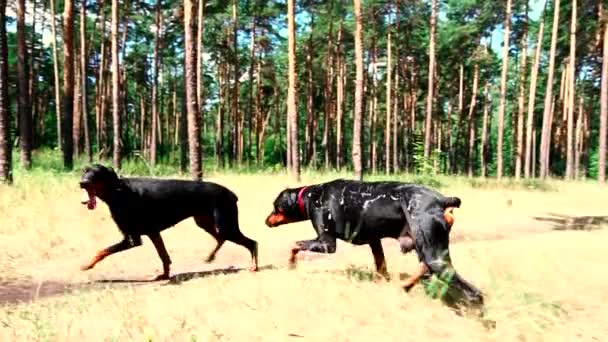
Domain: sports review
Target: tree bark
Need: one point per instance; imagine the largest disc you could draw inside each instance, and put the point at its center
(6, 165)
(68, 83)
(579, 141)
(484, 130)
(603, 106)
(387, 132)
(374, 118)
(191, 104)
(219, 123)
(503, 92)
(471, 121)
(236, 94)
(522, 93)
(84, 78)
(571, 96)
(24, 107)
(100, 82)
(532, 98)
(56, 74)
(77, 122)
(250, 95)
(430, 95)
(357, 119)
(291, 90)
(545, 140)
(117, 139)
(310, 134)
(154, 114)
(340, 63)
(395, 134)
(199, 55)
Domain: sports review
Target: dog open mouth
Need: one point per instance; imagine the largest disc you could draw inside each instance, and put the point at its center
(90, 201)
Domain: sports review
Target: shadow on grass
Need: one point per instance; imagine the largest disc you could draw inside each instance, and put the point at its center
(572, 222)
(186, 276)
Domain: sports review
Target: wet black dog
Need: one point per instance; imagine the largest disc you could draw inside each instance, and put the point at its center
(145, 206)
(365, 212)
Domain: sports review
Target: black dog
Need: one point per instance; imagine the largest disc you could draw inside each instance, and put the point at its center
(144, 206)
(365, 212)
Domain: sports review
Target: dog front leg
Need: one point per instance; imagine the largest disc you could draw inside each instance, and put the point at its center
(157, 240)
(323, 244)
(127, 243)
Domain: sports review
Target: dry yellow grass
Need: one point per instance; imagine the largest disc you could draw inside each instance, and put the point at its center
(539, 284)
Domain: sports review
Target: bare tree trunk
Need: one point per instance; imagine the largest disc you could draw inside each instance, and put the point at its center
(503, 92)
(357, 119)
(56, 74)
(191, 104)
(396, 126)
(154, 114)
(534, 152)
(471, 122)
(199, 55)
(250, 99)
(387, 132)
(579, 141)
(460, 118)
(291, 90)
(374, 118)
(310, 135)
(117, 148)
(532, 98)
(76, 124)
(6, 160)
(484, 130)
(238, 154)
(142, 121)
(571, 96)
(100, 82)
(340, 100)
(430, 95)
(23, 104)
(219, 123)
(84, 78)
(68, 83)
(545, 140)
(522, 93)
(603, 106)
(32, 81)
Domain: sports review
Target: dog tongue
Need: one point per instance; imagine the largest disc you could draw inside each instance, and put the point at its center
(92, 203)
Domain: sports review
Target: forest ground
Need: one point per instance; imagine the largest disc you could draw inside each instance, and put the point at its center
(538, 254)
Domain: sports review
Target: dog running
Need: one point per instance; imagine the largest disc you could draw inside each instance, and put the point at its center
(146, 206)
(365, 212)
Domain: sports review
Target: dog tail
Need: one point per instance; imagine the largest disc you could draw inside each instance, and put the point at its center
(450, 202)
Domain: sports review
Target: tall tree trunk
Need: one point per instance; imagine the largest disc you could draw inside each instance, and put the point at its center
(84, 78)
(100, 82)
(357, 119)
(374, 118)
(258, 111)
(340, 64)
(68, 83)
(430, 95)
(77, 123)
(545, 139)
(532, 98)
(395, 134)
(310, 135)
(250, 98)
(522, 93)
(24, 107)
(471, 122)
(219, 122)
(503, 92)
(387, 132)
(117, 142)
(199, 55)
(32, 81)
(191, 104)
(154, 114)
(56, 74)
(6, 167)
(603, 106)
(238, 154)
(579, 141)
(484, 130)
(460, 122)
(291, 90)
(571, 96)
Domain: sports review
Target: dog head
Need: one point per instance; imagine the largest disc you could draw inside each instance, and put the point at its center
(97, 180)
(286, 209)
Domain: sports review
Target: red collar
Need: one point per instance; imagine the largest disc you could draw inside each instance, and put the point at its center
(301, 202)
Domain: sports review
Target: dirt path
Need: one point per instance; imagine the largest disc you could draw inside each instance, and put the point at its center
(17, 291)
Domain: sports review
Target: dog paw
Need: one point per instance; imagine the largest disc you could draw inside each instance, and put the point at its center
(253, 268)
(86, 267)
(163, 276)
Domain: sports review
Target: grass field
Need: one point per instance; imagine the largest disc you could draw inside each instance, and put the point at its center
(544, 275)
